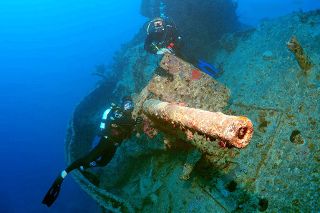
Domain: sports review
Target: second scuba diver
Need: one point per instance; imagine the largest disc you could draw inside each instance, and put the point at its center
(162, 37)
(117, 125)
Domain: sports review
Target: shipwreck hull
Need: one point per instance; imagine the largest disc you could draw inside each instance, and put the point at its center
(277, 171)
(131, 183)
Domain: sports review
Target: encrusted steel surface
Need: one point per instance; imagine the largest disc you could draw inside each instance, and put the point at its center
(235, 130)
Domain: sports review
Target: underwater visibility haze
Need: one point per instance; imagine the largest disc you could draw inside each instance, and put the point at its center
(48, 50)
(258, 62)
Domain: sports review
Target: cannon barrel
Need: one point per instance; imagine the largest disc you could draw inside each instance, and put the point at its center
(235, 130)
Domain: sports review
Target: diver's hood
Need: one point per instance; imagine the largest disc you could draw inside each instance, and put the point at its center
(155, 29)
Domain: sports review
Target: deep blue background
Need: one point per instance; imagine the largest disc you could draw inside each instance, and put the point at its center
(251, 11)
(48, 48)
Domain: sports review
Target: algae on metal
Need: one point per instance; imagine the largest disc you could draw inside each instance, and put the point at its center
(272, 174)
(296, 48)
(118, 179)
(281, 165)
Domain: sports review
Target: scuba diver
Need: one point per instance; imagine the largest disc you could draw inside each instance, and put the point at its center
(117, 125)
(162, 37)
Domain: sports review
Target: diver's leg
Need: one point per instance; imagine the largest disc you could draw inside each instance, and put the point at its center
(108, 154)
(87, 160)
(103, 160)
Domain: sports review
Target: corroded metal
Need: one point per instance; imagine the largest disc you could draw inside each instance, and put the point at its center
(235, 130)
(184, 83)
(296, 48)
(175, 65)
(145, 176)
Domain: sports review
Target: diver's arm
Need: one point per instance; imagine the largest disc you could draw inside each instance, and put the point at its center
(138, 126)
(125, 120)
(175, 36)
(149, 45)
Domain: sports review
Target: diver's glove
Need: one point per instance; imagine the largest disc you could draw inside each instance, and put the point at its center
(139, 120)
(164, 50)
(54, 190)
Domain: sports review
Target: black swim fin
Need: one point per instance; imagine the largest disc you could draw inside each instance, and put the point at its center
(53, 192)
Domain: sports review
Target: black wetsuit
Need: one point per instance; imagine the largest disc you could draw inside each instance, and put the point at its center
(119, 126)
(165, 38)
(162, 39)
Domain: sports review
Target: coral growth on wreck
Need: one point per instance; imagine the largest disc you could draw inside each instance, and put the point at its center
(152, 175)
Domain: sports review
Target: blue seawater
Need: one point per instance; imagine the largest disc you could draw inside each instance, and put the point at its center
(251, 12)
(48, 48)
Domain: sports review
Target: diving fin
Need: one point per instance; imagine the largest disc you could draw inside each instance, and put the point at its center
(208, 68)
(52, 193)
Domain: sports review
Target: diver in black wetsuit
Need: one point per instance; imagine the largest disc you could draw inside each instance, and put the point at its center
(117, 125)
(162, 37)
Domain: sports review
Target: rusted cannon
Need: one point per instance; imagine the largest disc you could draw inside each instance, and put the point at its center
(235, 130)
